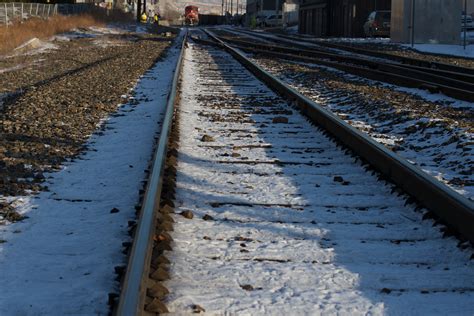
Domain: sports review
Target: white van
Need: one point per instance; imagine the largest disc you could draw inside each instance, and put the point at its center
(274, 20)
(262, 17)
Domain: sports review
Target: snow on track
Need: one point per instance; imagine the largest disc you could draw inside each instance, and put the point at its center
(294, 224)
(60, 261)
(434, 134)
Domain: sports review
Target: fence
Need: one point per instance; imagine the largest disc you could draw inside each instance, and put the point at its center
(11, 11)
(77, 8)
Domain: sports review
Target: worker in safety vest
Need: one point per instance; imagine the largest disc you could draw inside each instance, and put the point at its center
(155, 18)
(143, 17)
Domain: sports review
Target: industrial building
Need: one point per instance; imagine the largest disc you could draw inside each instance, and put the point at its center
(340, 18)
(426, 21)
(262, 7)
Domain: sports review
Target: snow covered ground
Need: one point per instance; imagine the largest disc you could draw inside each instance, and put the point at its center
(61, 259)
(453, 50)
(285, 223)
(442, 49)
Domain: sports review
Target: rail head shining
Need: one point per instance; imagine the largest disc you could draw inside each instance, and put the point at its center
(453, 208)
(132, 296)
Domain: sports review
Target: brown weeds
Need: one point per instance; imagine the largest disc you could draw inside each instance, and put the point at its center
(18, 33)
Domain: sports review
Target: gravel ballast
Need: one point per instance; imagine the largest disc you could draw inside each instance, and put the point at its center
(54, 99)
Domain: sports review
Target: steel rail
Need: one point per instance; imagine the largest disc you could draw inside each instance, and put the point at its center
(402, 59)
(454, 209)
(132, 296)
(457, 80)
(385, 73)
(405, 60)
(463, 85)
(455, 85)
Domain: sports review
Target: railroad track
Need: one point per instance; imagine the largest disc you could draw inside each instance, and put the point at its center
(280, 217)
(325, 46)
(402, 59)
(453, 81)
(435, 135)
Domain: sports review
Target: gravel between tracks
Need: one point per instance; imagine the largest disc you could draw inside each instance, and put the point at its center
(57, 98)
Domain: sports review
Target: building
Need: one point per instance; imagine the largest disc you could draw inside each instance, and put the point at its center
(263, 7)
(338, 18)
(426, 21)
(313, 17)
(470, 6)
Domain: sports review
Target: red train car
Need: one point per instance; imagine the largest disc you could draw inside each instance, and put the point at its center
(191, 15)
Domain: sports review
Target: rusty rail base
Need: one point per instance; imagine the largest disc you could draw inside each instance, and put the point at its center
(133, 292)
(454, 209)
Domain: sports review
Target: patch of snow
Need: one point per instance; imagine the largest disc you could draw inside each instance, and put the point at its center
(61, 38)
(435, 97)
(292, 29)
(34, 46)
(371, 40)
(17, 67)
(61, 259)
(141, 28)
(106, 42)
(444, 49)
(91, 32)
(106, 30)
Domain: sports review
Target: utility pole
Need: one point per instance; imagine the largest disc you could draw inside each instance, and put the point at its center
(139, 9)
(231, 8)
(222, 11)
(226, 9)
(412, 23)
(465, 22)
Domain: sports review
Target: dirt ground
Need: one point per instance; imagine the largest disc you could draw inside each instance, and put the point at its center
(54, 99)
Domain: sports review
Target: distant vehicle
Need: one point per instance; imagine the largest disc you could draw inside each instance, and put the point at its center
(274, 20)
(469, 23)
(260, 19)
(378, 24)
(191, 15)
(262, 16)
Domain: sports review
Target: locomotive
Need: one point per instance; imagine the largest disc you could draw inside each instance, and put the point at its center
(191, 15)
